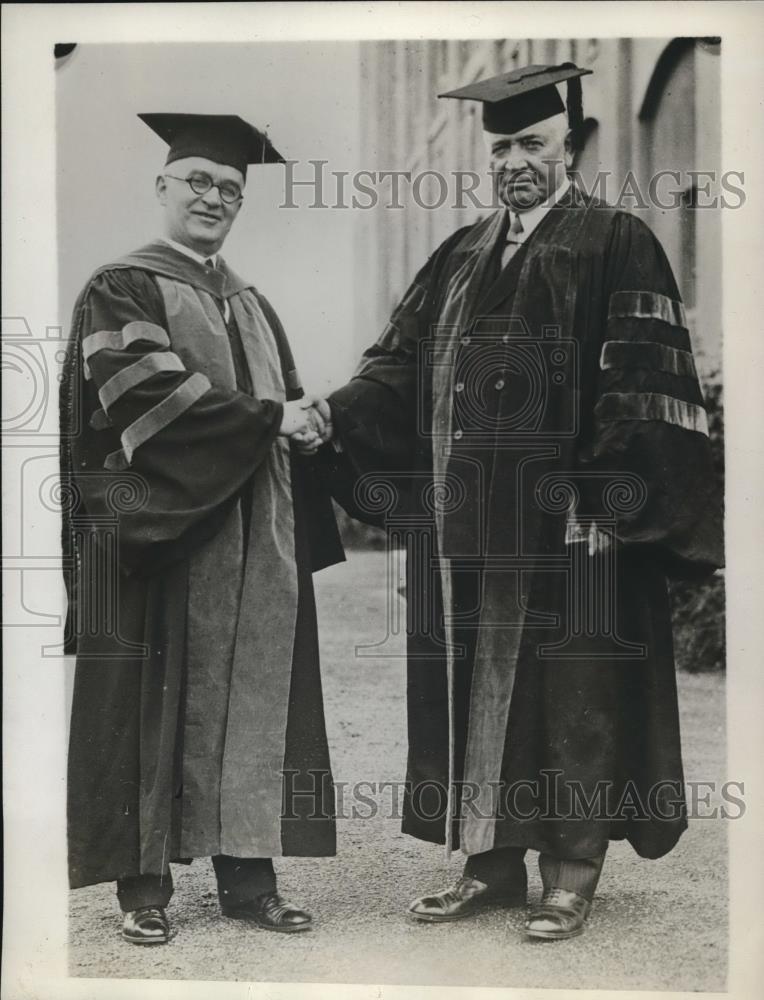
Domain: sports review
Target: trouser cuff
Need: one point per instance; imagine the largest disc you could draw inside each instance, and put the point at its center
(580, 876)
(242, 880)
(138, 891)
(503, 867)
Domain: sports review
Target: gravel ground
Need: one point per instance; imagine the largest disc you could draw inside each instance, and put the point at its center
(655, 925)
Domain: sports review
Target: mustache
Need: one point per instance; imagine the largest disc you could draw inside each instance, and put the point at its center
(518, 188)
(511, 177)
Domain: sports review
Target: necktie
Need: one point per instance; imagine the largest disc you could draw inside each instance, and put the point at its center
(514, 239)
(243, 381)
(209, 262)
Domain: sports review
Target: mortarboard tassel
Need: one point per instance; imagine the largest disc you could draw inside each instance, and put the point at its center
(575, 107)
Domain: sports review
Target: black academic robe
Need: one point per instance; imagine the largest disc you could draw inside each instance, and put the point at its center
(501, 412)
(190, 534)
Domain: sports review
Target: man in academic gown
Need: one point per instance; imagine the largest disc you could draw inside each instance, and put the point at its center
(532, 418)
(192, 523)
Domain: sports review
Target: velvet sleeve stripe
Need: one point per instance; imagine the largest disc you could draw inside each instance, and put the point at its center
(647, 305)
(641, 331)
(144, 368)
(157, 418)
(118, 340)
(619, 406)
(647, 354)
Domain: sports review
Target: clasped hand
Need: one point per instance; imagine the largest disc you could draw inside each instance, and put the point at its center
(597, 540)
(307, 422)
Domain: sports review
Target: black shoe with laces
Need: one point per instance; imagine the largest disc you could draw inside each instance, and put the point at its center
(272, 913)
(147, 925)
(464, 898)
(560, 915)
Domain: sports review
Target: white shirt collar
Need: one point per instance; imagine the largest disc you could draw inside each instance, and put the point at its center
(190, 253)
(533, 216)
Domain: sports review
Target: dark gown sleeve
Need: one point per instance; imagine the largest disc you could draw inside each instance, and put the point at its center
(186, 446)
(313, 501)
(647, 418)
(376, 415)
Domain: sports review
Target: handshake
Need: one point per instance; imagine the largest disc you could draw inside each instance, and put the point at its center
(307, 422)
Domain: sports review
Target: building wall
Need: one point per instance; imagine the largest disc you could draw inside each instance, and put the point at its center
(650, 104)
(301, 259)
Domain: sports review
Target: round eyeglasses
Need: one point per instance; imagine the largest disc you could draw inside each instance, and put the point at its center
(230, 192)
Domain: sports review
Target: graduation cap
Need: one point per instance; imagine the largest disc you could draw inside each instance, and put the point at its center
(225, 139)
(515, 100)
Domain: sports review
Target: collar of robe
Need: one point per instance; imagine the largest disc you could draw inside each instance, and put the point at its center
(159, 257)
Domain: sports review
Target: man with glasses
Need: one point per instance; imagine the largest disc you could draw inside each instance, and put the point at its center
(197, 721)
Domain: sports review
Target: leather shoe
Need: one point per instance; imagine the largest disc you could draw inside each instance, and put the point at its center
(272, 913)
(463, 899)
(148, 925)
(561, 914)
